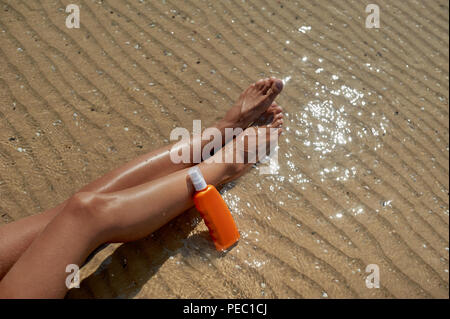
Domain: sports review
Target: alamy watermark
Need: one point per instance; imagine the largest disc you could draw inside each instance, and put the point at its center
(73, 279)
(73, 19)
(252, 146)
(373, 279)
(373, 19)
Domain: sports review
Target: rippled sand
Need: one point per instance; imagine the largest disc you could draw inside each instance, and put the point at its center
(363, 162)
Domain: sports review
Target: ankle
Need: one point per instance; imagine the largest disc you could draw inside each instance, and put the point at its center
(221, 125)
(231, 171)
(223, 172)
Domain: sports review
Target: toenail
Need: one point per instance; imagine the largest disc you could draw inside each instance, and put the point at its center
(279, 85)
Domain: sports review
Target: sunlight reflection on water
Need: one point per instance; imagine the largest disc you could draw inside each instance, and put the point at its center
(328, 127)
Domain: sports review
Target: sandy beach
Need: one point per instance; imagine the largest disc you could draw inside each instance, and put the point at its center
(363, 176)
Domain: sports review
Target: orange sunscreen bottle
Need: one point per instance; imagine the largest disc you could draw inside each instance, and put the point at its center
(214, 211)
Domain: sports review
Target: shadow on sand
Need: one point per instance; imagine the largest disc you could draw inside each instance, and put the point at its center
(123, 273)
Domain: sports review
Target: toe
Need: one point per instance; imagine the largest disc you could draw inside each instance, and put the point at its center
(260, 84)
(274, 109)
(278, 109)
(267, 85)
(276, 87)
(277, 120)
(277, 124)
(278, 117)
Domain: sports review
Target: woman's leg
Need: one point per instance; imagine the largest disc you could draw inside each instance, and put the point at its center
(90, 219)
(255, 101)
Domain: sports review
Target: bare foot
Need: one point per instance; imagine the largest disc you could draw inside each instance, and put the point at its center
(248, 147)
(274, 111)
(253, 103)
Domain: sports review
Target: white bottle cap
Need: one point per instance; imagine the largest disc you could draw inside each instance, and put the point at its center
(197, 178)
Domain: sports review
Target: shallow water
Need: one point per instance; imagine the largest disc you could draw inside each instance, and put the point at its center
(362, 176)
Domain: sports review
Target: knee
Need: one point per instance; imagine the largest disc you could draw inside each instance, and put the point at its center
(88, 206)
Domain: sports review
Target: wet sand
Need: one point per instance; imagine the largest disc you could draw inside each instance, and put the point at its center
(363, 162)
